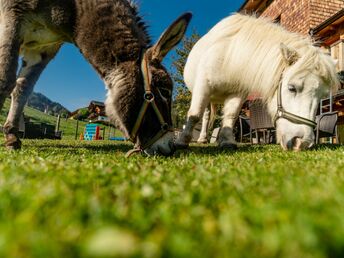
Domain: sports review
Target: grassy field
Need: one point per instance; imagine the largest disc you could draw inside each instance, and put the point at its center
(68, 126)
(77, 199)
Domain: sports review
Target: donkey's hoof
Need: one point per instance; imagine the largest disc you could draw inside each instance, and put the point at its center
(12, 142)
(203, 141)
(12, 147)
(228, 146)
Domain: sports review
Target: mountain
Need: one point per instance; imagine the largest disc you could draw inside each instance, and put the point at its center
(44, 104)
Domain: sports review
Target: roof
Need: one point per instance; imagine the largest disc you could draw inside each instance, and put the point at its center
(326, 30)
(333, 20)
(97, 103)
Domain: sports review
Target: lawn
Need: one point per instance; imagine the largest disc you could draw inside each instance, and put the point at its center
(67, 126)
(85, 199)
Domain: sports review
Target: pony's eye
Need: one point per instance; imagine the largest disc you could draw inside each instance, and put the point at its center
(292, 88)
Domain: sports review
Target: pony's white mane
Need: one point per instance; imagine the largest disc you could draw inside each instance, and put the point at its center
(254, 54)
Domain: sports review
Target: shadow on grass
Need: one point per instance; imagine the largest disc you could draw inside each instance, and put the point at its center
(77, 145)
(215, 150)
(111, 147)
(327, 146)
(209, 149)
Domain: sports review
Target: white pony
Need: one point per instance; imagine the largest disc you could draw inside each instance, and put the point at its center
(243, 54)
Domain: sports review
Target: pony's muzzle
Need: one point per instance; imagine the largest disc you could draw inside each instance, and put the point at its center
(296, 144)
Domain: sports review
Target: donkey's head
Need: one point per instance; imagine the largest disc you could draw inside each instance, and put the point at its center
(139, 102)
(307, 78)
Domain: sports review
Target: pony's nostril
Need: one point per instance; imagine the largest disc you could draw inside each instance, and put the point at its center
(294, 143)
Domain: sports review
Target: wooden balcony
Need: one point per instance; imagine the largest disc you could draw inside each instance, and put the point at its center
(337, 105)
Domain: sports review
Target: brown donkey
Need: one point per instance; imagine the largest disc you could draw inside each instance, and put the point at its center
(113, 38)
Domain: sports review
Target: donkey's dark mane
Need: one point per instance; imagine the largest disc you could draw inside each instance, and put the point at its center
(140, 22)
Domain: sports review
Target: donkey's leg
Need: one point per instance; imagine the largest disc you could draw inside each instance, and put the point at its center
(203, 137)
(9, 51)
(199, 102)
(231, 110)
(33, 64)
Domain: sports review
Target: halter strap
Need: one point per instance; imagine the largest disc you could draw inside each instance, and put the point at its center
(149, 99)
(282, 113)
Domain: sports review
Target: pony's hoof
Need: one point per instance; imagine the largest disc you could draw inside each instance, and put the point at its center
(202, 141)
(228, 146)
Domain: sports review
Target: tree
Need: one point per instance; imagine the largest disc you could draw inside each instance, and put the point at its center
(181, 95)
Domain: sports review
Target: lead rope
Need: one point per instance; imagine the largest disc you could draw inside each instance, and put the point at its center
(133, 151)
(148, 100)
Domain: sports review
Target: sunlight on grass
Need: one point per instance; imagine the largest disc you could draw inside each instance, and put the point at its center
(85, 199)
(67, 126)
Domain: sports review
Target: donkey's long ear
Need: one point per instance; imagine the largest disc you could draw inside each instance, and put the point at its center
(171, 37)
(290, 55)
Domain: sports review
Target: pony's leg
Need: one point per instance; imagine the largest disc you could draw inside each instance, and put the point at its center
(203, 137)
(33, 64)
(199, 102)
(231, 111)
(9, 51)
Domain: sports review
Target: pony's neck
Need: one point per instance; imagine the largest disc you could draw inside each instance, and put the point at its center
(109, 34)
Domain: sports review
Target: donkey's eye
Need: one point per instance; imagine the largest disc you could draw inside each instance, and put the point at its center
(165, 92)
(292, 88)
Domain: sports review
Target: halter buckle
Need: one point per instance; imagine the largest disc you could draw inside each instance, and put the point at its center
(148, 96)
(280, 113)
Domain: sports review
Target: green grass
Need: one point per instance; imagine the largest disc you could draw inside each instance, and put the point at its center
(85, 199)
(68, 126)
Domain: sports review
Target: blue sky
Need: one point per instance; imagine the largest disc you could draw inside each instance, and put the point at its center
(71, 81)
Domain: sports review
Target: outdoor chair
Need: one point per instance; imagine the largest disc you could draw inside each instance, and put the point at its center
(260, 122)
(326, 126)
(244, 127)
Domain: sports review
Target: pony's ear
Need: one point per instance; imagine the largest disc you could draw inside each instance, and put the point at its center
(290, 55)
(171, 37)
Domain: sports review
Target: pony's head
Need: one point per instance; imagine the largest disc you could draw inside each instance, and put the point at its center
(307, 77)
(139, 103)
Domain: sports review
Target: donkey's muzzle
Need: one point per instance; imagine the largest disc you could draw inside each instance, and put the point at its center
(163, 147)
(169, 152)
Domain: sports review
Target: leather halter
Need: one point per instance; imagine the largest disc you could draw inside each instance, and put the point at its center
(148, 100)
(282, 113)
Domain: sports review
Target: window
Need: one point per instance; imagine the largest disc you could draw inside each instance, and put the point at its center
(337, 52)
